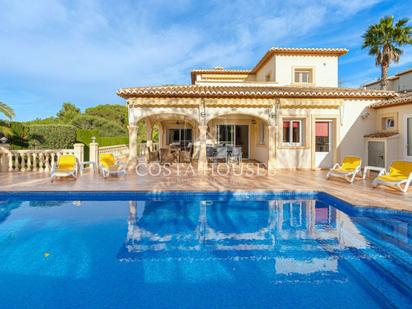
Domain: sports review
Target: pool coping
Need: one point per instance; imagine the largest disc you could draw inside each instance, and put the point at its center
(128, 194)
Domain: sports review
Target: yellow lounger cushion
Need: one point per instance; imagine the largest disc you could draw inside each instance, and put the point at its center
(350, 163)
(399, 170)
(389, 178)
(66, 163)
(343, 171)
(108, 161)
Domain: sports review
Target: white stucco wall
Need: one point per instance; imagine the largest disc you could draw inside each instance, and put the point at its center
(405, 82)
(268, 68)
(401, 113)
(354, 127)
(325, 69)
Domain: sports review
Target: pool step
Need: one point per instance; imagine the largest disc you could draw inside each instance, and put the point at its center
(400, 240)
(363, 275)
(387, 248)
(390, 271)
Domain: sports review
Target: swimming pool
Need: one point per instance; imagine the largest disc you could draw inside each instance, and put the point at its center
(200, 250)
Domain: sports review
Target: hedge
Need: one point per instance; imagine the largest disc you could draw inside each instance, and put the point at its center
(113, 140)
(85, 137)
(52, 136)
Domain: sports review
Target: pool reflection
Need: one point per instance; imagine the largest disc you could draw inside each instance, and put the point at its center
(300, 236)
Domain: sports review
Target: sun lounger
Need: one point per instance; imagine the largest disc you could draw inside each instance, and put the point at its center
(399, 176)
(108, 165)
(66, 166)
(350, 167)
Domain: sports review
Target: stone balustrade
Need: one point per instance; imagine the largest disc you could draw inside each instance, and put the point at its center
(123, 150)
(42, 160)
(116, 150)
(33, 160)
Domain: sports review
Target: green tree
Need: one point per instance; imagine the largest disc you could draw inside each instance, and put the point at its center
(9, 113)
(68, 112)
(384, 40)
(104, 126)
(113, 112)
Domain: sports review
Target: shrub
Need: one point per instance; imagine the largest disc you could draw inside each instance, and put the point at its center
(52, 136)
(19, 129)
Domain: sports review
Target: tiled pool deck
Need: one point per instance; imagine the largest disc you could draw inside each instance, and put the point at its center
(360, 193)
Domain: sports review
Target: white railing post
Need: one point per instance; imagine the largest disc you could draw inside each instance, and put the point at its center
(79, 152)
(23, 163)
(94, 152)
(35, 166)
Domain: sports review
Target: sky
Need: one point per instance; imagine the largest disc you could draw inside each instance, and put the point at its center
(83, 51)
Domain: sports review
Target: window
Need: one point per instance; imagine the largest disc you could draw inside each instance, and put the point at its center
(323, 136)
(292, 132)
(267, 77)
(388, 123)
(262, 133)
(303, 76)
(181, 136)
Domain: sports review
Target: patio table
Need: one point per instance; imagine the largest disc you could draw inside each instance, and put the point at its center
(369, 168)
(83, 165)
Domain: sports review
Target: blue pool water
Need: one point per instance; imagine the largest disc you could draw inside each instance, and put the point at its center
(201, 250)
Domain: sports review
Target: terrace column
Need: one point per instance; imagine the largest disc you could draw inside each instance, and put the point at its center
(202, 162)
(132, 146)
(160, 128)
(272, 148)
(149, 131)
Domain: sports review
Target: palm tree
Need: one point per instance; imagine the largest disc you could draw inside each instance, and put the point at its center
(9, 113)
(384, 40)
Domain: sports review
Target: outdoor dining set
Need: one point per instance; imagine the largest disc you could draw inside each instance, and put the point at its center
(176, 153)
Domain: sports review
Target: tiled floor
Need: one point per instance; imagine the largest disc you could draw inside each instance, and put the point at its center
(359, 193)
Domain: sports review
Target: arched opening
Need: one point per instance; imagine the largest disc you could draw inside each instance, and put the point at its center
(249, 132)
(165, 129)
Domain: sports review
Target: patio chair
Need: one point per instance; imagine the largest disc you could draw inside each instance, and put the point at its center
(66, 166)
(400, 174)
(220, 154)
(151, 156)
(167, 156)
(210, 152)
(235, 155)
(108, 165)
(350, 167)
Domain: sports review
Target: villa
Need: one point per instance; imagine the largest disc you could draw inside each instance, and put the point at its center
(286, 112)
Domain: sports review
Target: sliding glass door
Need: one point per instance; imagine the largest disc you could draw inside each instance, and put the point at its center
(234, 135)
(179, 136)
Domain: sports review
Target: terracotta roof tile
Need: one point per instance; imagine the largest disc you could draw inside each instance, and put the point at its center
(251, 91)
(297, 51)
(381, 134)
(402, 99)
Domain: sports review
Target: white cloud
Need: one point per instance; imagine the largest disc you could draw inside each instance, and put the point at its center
(57, 46)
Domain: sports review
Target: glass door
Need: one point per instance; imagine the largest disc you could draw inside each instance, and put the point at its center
(242, 139)
(234, 135)
(225, 135)
(323, 144)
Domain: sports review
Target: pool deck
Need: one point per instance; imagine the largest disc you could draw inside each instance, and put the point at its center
(360, 193)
